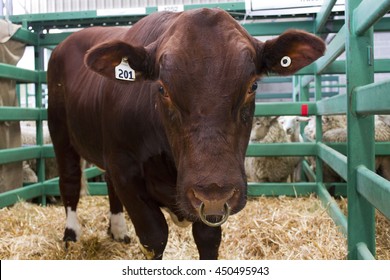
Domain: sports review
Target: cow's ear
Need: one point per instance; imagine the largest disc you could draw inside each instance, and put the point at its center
(289, 52)
(104, 58)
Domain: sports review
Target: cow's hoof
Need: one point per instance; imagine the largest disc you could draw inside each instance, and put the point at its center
(124, 238)
(70, 235)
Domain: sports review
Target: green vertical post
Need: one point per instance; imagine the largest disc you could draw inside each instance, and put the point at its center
(304, 94)
(39, 66)
(295, 93)
(318, 97)
(360, 71)
(18, 94)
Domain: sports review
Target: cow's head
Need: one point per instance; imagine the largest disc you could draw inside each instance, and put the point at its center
(205, 68)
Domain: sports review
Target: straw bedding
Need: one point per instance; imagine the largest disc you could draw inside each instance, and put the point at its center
(268, 228)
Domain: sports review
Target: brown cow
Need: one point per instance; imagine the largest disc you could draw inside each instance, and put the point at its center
(173, 132)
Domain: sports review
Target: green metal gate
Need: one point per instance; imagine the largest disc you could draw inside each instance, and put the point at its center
(354, 161)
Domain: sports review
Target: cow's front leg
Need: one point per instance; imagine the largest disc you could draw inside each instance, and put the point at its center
(148, 220)
(152, 231)
(207, 240)
(117, 228)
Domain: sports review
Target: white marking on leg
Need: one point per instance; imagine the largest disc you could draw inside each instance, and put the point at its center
(118, 226)
(72, 222)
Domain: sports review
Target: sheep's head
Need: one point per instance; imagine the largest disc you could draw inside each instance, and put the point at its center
(261, 126)
(291, 123)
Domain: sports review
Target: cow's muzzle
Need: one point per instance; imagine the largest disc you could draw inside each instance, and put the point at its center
(213, 222)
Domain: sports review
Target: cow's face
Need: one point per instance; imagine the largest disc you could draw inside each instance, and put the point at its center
(206, 67)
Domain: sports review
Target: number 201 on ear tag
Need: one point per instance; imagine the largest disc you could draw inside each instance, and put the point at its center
(124, 72)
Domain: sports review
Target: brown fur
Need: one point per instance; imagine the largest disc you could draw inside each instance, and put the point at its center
(177, 136)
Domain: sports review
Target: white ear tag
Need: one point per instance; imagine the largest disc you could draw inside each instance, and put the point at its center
(124, 72)
(285, 61)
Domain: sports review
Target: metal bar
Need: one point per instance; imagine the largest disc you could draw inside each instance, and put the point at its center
(283, 109)
(341, 147)
(332, 106)
(334, 50)
(374, 188)
(359, 70)
(306, 80)
(263, 95)
(276, 79)
(318, 97)
(382, 65)
(373, 98)
(382, 25)
(382, 148)
(295, 95)
(47, 151)
(334, 86)
(308, 171)
(304, 89)
(308, 70)
(276, 28)
(52, 188)
(18, 74)
(280, 149)
(333, 209)
(19, 154)
(277, 189)
(92, 172)
(232, 6)
(368, 13)
(338, 66)
(336, 160)
(363, 253)
(26, 36)
(111, 17)
(11, 197)
(53, 39)
(323, 15)
(54, 17)
(40, 162)
(8, 113)
(338, 189)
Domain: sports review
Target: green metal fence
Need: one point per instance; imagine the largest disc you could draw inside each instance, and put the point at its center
(354, 35)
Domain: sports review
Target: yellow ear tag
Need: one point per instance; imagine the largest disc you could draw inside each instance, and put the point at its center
(124, 72)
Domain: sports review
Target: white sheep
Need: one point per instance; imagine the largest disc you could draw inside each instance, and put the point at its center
(328, 123)
(292, 126)
(269, 169)
(382, 134)
(29, 176)
(28, 129)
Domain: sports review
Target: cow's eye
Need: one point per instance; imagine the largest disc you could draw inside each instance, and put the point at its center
(162, 91)
(254, 87)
